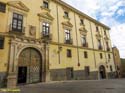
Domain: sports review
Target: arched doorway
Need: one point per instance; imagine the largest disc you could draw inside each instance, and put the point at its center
(102, 72)
(29, 66)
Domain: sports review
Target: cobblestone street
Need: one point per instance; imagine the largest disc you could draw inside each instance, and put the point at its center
(89, 86)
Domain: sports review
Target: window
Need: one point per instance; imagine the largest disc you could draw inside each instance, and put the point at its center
(109, 56)
(67, 34)
(87, 70)
(17, 23)
(66, 14)
(2, 7)
(104, 32)
(1, 42)
(101, 56)
(68, 37)
(46, 29)
(107, 45)
(81, 21)
(69, 53)
(97, 29)
(111, 68)
(45, 4)
(84, 43)
(99, 44)
(85, 54)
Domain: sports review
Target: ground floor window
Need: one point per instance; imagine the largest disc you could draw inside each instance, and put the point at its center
(1, 42)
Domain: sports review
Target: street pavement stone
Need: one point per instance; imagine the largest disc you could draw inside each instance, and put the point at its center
(78, 86)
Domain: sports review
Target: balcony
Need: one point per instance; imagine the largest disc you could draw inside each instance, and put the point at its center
(70, 41)
(100, 47)
(85, 45)
(16, 31)
(46, 36)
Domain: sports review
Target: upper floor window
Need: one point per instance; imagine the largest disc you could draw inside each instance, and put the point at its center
(66, 14)
(99, 44)
(68, 39)
(46, 29)
(109, 56)
(97, 28)
(17, 22)
(81, 21)
(101, 56)
(2, 7)
(111, 68)
(69, 53)
(1, 42)
(107, 45)
(85, 54)
(104, 32)
(84, 42)
(45, 4)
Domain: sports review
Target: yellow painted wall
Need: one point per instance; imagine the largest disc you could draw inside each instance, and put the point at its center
(31, 18)
(4, 56)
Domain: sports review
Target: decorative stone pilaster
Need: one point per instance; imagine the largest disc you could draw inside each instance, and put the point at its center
(12, 76)
(11, 80)
(47, 64)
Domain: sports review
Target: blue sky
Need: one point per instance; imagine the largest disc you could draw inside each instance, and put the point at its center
(109, 12)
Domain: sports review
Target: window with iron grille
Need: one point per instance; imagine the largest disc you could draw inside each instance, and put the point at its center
(2, 7)
(85, 54)
(1, 42)
(17, 22)
(46, 29)
(69, 53)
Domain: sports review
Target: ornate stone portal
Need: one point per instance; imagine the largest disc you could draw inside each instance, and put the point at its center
(29, 55)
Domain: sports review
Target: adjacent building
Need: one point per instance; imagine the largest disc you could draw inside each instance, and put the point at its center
(117, 61)
(49, 40)
(122, 67)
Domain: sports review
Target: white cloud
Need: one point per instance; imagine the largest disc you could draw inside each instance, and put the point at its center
(117, 36)
(105, 10)
(121, 12)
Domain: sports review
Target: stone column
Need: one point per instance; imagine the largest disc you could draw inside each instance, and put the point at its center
(12, 76)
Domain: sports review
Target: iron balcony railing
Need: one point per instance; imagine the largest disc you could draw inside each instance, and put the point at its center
(13, 30)
(69, 41)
